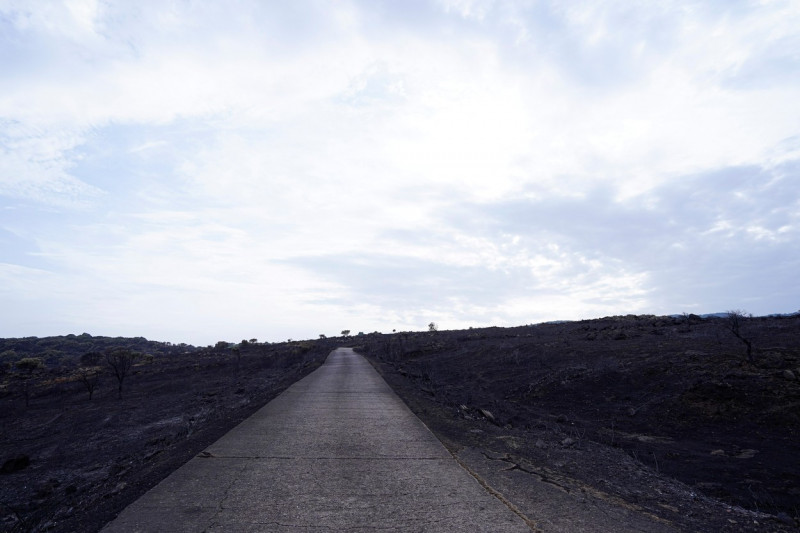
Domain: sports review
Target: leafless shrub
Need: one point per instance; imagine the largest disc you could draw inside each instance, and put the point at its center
(90, 377)
(734, 319)
(120, 360)
(29, 366)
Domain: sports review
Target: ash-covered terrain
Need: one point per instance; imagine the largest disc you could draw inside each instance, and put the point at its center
(669, 419)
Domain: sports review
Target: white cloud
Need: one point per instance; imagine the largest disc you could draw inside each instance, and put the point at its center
(469, 9)
(34, 165)
(493, 155)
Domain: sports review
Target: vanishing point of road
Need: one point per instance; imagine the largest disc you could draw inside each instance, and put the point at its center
(337, 451)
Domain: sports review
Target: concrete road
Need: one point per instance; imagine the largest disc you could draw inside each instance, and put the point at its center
(337, 451)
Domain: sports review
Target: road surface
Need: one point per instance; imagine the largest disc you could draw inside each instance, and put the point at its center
(337, 451)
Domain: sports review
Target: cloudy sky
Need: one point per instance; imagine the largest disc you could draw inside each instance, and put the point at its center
(196, 171)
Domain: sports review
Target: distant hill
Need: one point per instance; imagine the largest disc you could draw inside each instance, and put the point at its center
(66, 350)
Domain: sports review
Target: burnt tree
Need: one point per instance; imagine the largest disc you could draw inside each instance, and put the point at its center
(90, 378)
(120, 360)
(733, 322)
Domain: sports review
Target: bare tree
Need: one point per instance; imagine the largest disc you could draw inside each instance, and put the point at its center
(237, 353)
(120, 360)
(90, 377)
(733, 322)
(29, 365)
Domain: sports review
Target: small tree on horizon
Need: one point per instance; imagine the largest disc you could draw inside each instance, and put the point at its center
(433, 327)
(345, 332)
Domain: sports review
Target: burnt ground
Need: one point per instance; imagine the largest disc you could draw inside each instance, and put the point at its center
(662, 415)
(72, 464)
(662, 418)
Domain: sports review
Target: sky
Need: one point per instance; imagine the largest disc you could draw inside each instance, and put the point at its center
(200, 171)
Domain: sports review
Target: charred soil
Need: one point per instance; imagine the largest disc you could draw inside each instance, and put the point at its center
(664, 414)
(72, 464)
(661, 418)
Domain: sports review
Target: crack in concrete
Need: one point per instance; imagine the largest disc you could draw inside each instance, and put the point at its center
(212, 521)
(497, 494)
(585, 489)
(206, 455)
(397, 527)
(544, 478)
